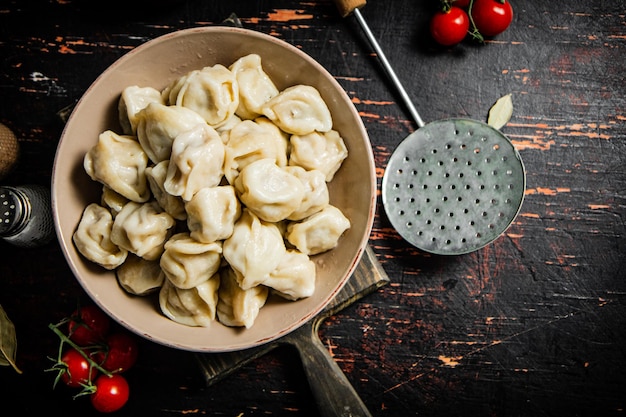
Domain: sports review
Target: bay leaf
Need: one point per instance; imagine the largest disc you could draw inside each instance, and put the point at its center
(8, 341)
(500, 113)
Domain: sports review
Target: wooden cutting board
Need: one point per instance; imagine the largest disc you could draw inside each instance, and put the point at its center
(333, 393)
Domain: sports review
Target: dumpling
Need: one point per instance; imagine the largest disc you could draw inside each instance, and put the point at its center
(250, 141)
(132, 100)
(196, 162)
(238, 307)
(316, 195)
(172, 204)
(255, 87)
(212, 212)
(299, 110)
(212, 92)
(192, 307)
(158, 125)
(268, 190)
(294, 278)
(142, 229)
(319, 232)
(119, 162)
(187, 262)
(114, 201)
(254, 249)
(322, 151)
(93, 238)
(139, 276)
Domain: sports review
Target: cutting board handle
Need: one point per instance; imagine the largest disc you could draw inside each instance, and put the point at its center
(347, 6)
(334, 395)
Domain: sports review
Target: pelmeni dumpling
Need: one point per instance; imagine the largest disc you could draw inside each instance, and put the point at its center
(299, 110)
(319, 232)
(132, 100)
(250, 141)
(254, 249)
(212, 92)
(294, 278)
(142, 229)
(255, 87)
(197, 162)
(268, 190)
(158, 125)
(119, 162)
(93, 238)
(192, 307)
(114, 201)
(238, 307)
(187, 262)
(316, 195)
(322, 151)
(139, 276)
(212, 212)
(172, 204)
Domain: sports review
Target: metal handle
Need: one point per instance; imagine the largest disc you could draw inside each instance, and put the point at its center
(352, 6)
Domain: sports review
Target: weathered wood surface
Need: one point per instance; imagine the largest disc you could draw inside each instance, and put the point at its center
(533, 324)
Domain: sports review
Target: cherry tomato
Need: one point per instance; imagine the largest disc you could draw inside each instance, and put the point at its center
(461, 3)
(449, 27)
(77, 371)
(492, 17)
(111, 393)
(88, 325)
(119, 354)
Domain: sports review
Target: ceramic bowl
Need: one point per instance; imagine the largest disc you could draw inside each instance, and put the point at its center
(156, 63)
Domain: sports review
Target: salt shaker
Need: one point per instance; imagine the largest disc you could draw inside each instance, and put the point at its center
(26, 215)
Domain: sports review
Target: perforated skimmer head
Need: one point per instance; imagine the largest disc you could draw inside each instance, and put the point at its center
(453, 186)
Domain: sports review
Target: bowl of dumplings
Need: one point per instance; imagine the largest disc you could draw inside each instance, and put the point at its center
(213, 189)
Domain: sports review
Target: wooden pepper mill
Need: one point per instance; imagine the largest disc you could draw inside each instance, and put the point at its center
(9, 151)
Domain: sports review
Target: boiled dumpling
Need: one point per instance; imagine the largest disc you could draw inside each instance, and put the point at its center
(197, 162)
(139, 276)
(158, 125)
(172, 204)
(268, 190)
(192, 307)
(254, 249)
(187, 262)
(212, 212)
(316, 195)
(250, 141)
(294, 278)
(119, 162)
(238, 307)
(255, 87)
(299, 110)
(212, 92)
(142, 229)
(322, 151)
(319, 232)
(93, 238)
(114, 201)
(132, 100)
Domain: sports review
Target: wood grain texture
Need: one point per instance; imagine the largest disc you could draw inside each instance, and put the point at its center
(533, 324)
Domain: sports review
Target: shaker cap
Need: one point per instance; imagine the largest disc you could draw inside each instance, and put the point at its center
(13, 211)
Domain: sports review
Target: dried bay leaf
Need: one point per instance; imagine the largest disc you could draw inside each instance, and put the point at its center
(8, 341)
(500, 113)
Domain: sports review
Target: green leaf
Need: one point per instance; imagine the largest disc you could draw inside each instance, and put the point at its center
(8, 341)
(501, 112)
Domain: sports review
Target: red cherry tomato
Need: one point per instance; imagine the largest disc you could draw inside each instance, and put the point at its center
(111, 393)
(77, 371)
(492, 17)
(449, 27)
(119, 354)
(461, 3)
(88, 325)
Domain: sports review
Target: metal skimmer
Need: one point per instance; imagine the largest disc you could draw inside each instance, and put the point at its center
(452, 186)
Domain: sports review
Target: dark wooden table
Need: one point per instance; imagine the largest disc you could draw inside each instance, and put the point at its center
(534, 324)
